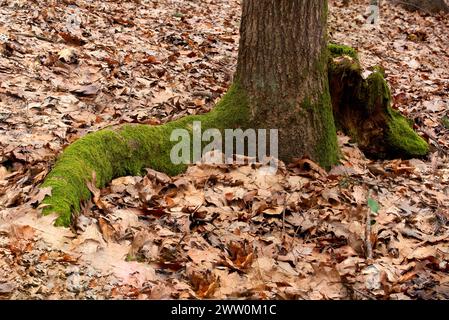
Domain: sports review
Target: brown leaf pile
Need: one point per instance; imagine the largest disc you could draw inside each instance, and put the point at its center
(364, 230)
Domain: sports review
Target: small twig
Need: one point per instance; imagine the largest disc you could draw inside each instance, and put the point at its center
(364, 182)
(283, 223)
(366, 295)
(369, 246)
(294, 235)
(180, 240)
(283, 216)
(437, 143)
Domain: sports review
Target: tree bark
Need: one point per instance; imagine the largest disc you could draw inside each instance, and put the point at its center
(282, 67)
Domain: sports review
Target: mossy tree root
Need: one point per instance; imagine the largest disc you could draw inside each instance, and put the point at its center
(362, 109)
(127, 150)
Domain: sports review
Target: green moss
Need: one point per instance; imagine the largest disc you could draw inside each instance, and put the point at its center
(127, 150)
(337, 50)
(402, 139)
(343, 61)
(377, 90)
(325, 13)
(327, 151)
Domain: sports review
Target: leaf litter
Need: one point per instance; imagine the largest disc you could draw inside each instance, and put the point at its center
(215, 231)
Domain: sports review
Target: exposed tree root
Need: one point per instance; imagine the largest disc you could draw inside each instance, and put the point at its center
(361, 107)
(127, 150)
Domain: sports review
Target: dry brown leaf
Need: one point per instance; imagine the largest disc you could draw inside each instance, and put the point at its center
(106, 229)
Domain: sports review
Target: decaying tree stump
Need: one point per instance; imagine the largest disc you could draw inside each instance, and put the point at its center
(362, 109)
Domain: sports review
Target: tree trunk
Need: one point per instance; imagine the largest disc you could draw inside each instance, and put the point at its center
(282, 67)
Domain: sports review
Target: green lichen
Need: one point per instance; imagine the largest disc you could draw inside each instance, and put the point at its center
(403, 141)
(127, 150)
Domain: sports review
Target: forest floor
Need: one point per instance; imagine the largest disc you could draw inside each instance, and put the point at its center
(71, 67)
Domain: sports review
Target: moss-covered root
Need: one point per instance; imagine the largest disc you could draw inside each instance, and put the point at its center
(127, 150)
(362, 108)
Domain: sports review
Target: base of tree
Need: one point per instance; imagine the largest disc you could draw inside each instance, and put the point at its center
(361, 108)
